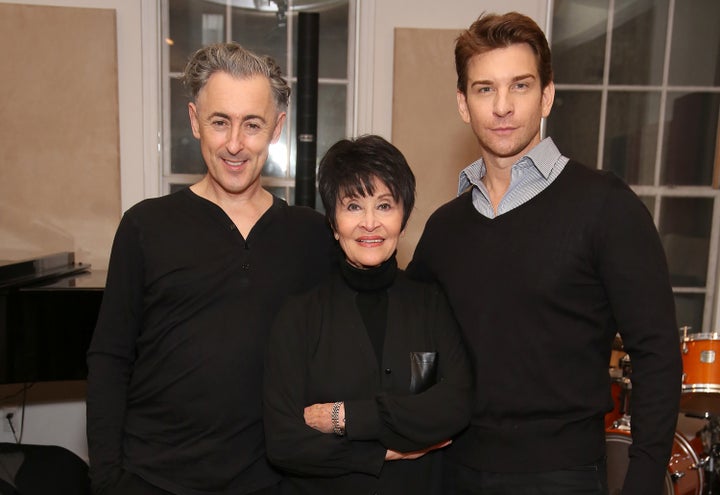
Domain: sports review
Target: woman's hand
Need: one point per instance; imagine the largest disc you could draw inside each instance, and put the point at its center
(319, 416)
(394, 455)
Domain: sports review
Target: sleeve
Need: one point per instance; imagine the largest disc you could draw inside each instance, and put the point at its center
(419, 268)
(412, 422)
(291, 444)
(633, 270)
(110, 358)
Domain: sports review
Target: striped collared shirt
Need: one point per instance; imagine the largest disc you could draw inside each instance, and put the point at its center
(529, 176)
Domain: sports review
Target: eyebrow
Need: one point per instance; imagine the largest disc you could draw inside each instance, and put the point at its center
(227, 117)
(488, 82)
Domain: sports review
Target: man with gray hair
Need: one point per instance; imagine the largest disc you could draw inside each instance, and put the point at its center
(194, 280)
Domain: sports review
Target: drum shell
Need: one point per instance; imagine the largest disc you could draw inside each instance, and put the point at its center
(684, 462)
(701, 374)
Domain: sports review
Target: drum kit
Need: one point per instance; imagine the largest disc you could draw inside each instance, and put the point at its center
(694, 465)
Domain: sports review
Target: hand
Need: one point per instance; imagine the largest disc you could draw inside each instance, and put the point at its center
(394, 455)
(319, 416)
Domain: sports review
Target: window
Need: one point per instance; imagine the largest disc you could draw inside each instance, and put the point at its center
(266, 27)
(637, 93)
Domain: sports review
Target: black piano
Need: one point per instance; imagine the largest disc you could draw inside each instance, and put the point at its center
(48, 308)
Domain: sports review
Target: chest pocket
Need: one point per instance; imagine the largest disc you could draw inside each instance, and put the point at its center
(423, 371)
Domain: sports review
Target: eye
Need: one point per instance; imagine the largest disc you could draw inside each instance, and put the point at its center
(253, 127)
(352, 207)
(384, 206)
(483, 89)
(219, 123)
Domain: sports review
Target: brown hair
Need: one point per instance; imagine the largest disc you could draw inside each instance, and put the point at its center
(491, 31)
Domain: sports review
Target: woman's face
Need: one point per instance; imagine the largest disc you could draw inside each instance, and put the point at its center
(368, 228)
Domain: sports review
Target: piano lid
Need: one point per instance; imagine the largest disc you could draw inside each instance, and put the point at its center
(17, 273)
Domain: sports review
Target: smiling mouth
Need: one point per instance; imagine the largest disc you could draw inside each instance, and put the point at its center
(370, 242)
(234, 163)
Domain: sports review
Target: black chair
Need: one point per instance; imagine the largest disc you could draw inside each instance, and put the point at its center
(41, 470)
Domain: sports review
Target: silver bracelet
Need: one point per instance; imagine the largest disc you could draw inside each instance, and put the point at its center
(335, 417)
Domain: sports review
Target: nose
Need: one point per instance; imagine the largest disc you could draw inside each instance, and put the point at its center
(369, 222)
(235, 139)
(502, 105)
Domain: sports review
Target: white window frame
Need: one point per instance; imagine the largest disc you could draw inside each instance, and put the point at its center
(711, 308)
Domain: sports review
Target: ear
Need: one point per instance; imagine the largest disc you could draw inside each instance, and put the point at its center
(548, 97)
(336, 235)
(278, 126)
(462, 106)
(194, 120)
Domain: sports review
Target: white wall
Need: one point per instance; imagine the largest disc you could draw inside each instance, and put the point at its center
(136, 119)
(55, 412)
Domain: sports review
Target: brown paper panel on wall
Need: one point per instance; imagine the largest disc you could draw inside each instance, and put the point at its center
(59, 139)
(426, 125)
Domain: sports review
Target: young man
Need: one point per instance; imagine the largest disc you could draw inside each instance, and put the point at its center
(195, 278)
(544, 261)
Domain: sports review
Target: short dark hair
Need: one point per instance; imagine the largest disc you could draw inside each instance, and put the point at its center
(350, 165)
(491, 31)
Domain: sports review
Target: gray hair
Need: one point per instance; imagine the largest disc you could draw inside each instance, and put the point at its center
(238, 62)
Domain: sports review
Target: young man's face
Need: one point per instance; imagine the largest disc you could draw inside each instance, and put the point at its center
(505, 102)
(236, 121)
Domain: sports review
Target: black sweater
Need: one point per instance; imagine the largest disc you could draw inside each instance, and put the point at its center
(175, 364)
(540, 293)
(320, 351)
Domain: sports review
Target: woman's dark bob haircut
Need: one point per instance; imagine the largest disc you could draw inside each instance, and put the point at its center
(349, 167)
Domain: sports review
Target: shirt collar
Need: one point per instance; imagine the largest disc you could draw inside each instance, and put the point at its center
(543, 156)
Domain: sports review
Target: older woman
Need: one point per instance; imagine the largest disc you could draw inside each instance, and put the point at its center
(368, 370)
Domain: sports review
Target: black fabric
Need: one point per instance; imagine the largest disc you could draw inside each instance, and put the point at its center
(372, 299)
(45, 469)
(540, 293)
(175, 364)
(319, 352)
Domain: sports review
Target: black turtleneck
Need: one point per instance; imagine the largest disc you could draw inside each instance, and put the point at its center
(372, 299)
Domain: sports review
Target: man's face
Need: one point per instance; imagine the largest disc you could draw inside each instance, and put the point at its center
(236, 121)
(505, 102)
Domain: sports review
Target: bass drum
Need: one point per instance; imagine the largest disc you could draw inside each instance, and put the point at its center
(683, 475)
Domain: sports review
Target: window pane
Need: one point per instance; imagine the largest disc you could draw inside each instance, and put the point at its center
(638, 41)
(174, 187)
(695, 50)
(332, 106)
(332, 38)
(192, 24)
(649, 202)
(185, 157)
(286, 193)
(574, 125)
(691, 128)
(262, 33)
(631, 135)
(578, 41)
(689, 311)
(277, 162)
(685, 225)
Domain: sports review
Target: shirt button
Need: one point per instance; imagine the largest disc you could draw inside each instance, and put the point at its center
(246, 266)
(388, 371)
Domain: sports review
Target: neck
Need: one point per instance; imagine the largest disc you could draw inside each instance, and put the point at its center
(244, 209)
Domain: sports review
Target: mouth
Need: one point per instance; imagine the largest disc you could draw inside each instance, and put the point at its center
(233, 163)
(503, 130)
(370, 241)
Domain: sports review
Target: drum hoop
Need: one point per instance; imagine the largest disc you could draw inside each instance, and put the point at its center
(688, 449)
(700, 336)
(700, 388)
